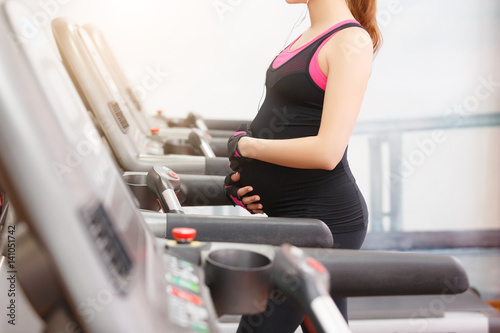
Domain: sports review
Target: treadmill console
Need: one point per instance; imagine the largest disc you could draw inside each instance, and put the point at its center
(189, 305)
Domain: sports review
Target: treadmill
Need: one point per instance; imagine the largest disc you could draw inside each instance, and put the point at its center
(86, 259)
(85, 149)
(178, 127)
(86, 222)
(132, 148)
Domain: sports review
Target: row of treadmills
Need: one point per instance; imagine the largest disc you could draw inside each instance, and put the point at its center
(85, 247)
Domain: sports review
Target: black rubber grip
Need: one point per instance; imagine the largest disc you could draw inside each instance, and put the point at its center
(216, 166)
(203, 190)
(257, 230)
(219, 146)
(224, 134)
(366, 273)
(194, 139)
(224, 124)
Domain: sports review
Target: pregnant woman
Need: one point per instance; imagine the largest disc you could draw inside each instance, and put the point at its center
(292, 161)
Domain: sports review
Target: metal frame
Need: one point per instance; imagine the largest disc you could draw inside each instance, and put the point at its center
(385, 142)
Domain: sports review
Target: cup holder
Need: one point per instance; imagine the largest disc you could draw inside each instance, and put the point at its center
(239, 280)
(136, 181)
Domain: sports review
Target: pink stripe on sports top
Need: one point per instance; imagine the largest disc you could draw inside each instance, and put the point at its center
(314, 70)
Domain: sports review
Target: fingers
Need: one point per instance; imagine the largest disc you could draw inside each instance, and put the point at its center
(235, 177)
(256, 208)
(252, 200)
(252, 204)
(244, 190)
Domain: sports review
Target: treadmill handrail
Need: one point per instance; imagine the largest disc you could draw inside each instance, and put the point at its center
(379, 273)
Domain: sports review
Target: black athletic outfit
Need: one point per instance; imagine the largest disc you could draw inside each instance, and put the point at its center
(292, 109)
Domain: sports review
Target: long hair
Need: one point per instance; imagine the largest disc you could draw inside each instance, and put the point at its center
(365, 12)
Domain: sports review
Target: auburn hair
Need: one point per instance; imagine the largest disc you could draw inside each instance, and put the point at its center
(365, 12)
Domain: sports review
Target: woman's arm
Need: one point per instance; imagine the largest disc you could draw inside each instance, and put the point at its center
(348, 59)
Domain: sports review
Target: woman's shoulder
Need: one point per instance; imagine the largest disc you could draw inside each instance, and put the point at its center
(351, 41)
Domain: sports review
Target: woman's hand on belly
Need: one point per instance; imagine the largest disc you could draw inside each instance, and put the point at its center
(251, 202)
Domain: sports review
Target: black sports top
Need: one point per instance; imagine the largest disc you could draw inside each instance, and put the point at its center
(292, 109)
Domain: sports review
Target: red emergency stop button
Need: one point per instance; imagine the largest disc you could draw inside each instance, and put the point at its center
(154, 130)
(172, 174)
(316, 265)
(184, 235)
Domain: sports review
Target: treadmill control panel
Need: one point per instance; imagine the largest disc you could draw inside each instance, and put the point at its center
(189, 304)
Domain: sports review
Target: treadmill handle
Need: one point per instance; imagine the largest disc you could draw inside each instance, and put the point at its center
(207, 149)
(198, 140)
(197, 121)
(171, 201)
(305, 281)
(328, 315)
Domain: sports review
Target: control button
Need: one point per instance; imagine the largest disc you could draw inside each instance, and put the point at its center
(173, 174)
(189, 276)
(178, 312)
(186, 265)
(200, 327)
(172, 263)
(197, 313)
(183, 283)
(316, 265)
(159, 111)
(185, 295)
(154, 130)
(184, 235)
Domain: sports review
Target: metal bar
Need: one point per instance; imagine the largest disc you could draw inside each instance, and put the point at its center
(396, 190)
(454, 121)
(420, 240)
(376, 211)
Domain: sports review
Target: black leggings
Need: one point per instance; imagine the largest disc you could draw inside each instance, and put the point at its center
(281, 316)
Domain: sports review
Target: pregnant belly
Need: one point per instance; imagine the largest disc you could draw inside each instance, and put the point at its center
(281, 188)
(266, 180)
(330, 196)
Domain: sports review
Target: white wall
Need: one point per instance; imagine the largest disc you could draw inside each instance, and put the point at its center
(212, 59)
(435, 57)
